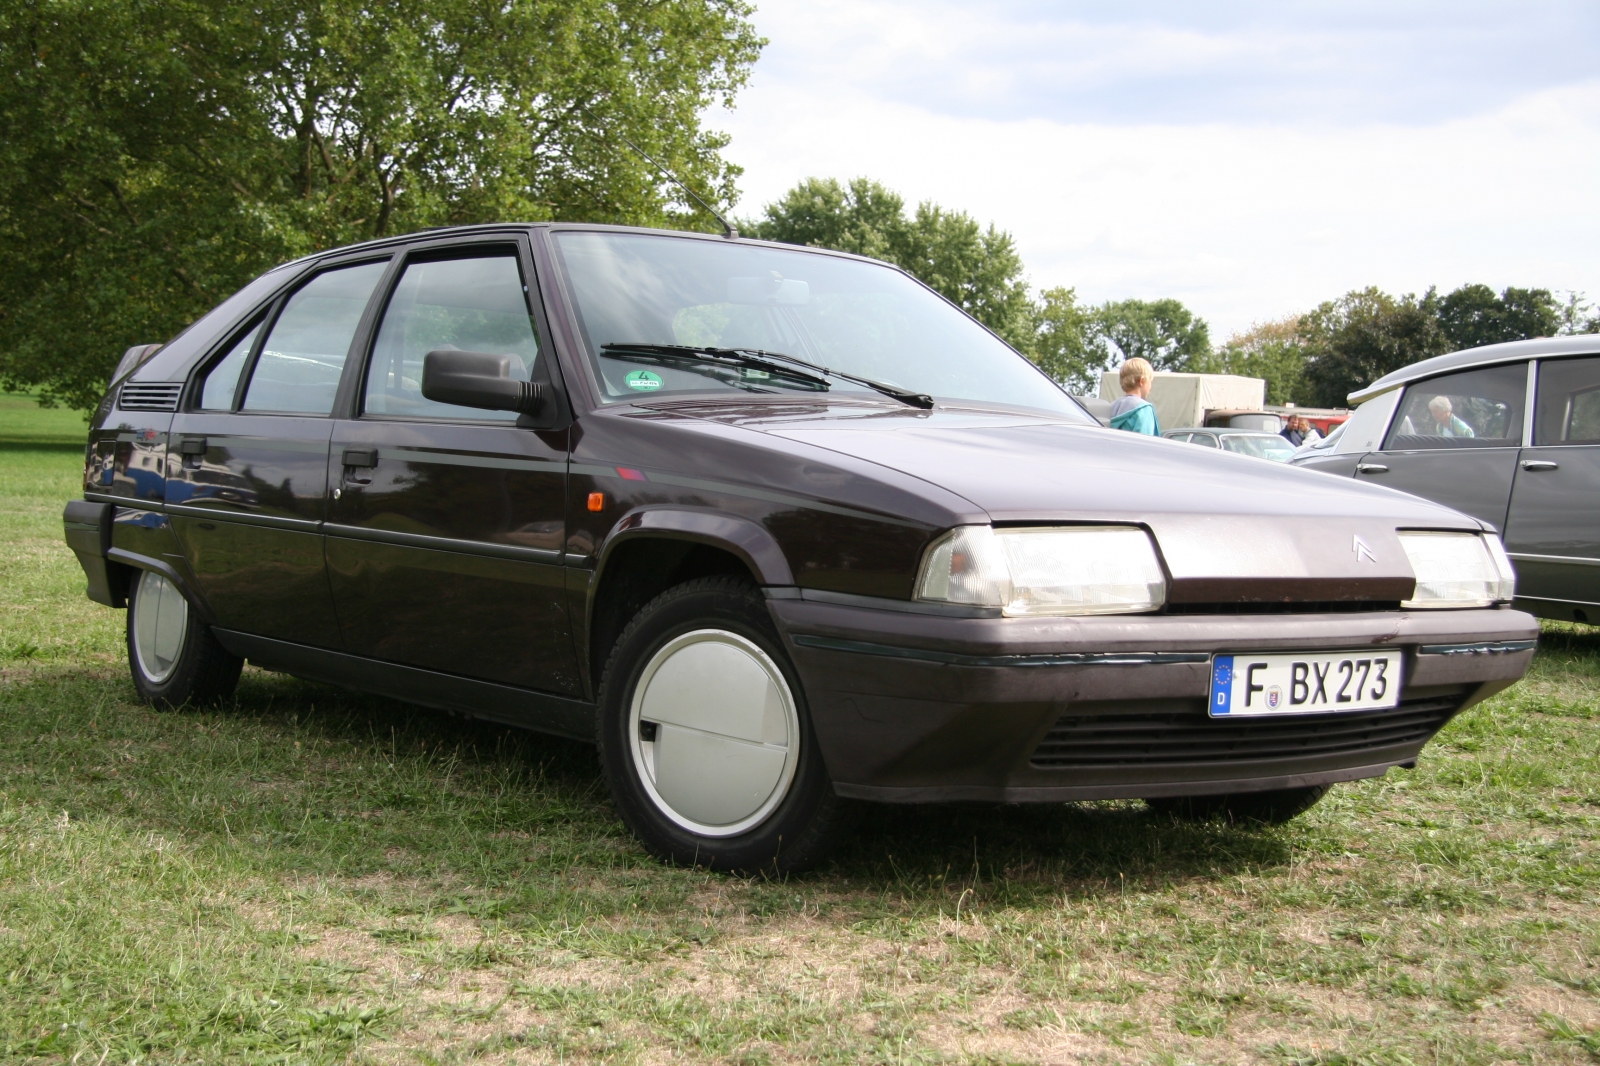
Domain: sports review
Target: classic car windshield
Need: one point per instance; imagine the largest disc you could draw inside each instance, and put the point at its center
(846, 315)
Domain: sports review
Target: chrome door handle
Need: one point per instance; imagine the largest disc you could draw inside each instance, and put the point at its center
(1372, 468)
(1538, 464)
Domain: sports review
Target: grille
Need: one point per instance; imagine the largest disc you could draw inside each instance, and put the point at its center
(150, 396)
(1297, 607)
(1190, 737)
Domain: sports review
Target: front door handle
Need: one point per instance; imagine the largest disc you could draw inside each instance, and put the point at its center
(1372, 468)
(360, 457)
(1538, 464)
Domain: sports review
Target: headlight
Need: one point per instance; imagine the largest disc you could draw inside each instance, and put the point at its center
(1062, 570)
(1458, 569)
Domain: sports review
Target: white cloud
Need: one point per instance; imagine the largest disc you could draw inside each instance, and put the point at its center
(1241, 219)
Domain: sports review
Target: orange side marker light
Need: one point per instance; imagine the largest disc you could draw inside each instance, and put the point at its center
(597, 501)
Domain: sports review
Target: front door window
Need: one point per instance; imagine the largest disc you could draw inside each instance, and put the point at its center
(472, 305)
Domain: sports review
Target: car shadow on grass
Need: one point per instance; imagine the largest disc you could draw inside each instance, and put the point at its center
(323, 782)
(1107, 846)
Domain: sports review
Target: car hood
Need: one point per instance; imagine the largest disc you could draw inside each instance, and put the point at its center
(1220, 518)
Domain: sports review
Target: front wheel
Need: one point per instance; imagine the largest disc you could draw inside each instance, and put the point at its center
(705, 737)
(172, 655)
(1269, 808)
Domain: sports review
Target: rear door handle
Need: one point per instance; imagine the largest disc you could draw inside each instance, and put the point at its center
(1538, 464)
(360, 457)
(192, 446)
(1372, 468)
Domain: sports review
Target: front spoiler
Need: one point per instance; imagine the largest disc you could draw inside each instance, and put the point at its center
(911, 706)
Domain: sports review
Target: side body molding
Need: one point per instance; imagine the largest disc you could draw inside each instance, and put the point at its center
(743, 537)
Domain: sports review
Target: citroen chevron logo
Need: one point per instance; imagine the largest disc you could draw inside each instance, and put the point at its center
(1363, 553)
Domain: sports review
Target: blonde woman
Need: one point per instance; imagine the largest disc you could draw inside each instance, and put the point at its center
(1133, 412)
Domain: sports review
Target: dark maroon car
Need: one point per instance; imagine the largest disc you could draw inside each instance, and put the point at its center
(774, 528)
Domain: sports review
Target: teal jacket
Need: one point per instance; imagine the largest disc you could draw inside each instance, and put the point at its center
(1141, 419)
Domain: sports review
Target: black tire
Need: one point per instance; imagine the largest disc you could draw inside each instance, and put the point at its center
(800, 817)
(1267, 808)
(195, 669)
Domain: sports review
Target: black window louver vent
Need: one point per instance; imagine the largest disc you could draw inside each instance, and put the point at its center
(150, 396)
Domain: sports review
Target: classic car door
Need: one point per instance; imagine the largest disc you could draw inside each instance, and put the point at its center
(247, 468)
(1553, 533)
(1454, 440)
(446, 529)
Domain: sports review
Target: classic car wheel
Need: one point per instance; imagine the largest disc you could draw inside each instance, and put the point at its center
(1269, 808)
(705, 737)
(171, 653)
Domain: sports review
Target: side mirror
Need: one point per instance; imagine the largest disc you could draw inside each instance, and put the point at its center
(478, 379)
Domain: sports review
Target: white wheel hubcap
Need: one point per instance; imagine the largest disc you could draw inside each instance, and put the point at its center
(160, 622)
(714, 731)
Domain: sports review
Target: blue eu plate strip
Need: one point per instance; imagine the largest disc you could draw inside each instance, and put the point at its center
(1221, 684)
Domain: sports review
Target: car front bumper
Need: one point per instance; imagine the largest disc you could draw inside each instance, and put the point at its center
(923, 707)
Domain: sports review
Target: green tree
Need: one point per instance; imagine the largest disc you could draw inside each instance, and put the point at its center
(155, 154)
(1066, 342)
(974, 267)
(1273, 351)
(1354, 340)
(1163, 332)
(1473, 315)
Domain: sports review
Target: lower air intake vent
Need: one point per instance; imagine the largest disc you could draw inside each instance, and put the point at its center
(1191, 738)
(150, 396)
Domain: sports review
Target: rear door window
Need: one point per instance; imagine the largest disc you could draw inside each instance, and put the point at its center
(298, 369)
(1569, 403)
(1472, 409)
(473, 304)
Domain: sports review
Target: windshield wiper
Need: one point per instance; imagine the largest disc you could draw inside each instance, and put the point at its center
(756, 358)
(695, 360)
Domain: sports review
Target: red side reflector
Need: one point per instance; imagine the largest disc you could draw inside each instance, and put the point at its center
(628, 473)
(597, 501)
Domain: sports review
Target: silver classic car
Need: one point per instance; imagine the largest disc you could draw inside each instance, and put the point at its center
(1508, 433)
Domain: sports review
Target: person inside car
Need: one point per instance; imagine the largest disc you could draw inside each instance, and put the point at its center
(1133, 412)
(1445, 423)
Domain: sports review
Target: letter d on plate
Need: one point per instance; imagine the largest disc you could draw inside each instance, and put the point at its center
(1221, 684)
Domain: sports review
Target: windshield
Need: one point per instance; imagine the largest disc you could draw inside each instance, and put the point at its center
(1262, 447)
(854, 317)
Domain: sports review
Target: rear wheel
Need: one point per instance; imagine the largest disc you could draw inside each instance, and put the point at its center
(1269, 808)
(705, 736)
(172, 655)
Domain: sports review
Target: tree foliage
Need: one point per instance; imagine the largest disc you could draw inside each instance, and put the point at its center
(1163, 332)
(1273, 351)
(155, 154)
(974, 267)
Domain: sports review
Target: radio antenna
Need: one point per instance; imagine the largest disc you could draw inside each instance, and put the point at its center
(727, 229)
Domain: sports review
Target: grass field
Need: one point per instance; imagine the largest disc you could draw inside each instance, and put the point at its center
(311, 876)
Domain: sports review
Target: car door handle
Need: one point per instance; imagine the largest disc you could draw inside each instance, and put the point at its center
(194, 446)
(360, 457)
(1372, 468)
(1538, 464)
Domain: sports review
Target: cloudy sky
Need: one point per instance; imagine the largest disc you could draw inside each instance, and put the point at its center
(1251, 159)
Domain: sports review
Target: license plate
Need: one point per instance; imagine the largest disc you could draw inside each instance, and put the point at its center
(1306, 682)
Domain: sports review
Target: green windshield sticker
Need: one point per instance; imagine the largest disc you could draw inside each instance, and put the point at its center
(643, 380)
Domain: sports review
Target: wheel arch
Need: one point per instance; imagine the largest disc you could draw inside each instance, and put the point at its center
(652, 550)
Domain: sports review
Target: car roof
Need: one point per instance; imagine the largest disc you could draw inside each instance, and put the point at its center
(486, 228)
(1488, 355)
